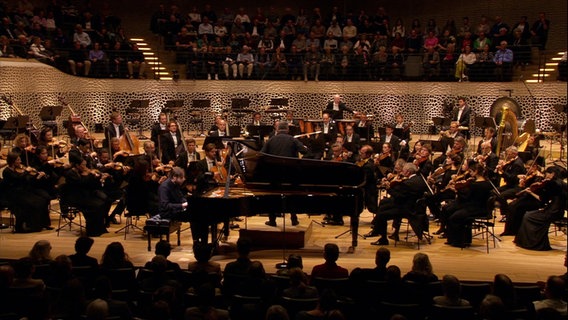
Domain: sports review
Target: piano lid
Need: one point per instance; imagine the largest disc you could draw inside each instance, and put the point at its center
(269, 171)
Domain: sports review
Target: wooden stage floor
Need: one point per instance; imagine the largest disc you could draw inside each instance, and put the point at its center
(472, 263)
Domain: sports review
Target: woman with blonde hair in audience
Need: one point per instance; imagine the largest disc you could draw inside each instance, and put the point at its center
(41, 252)
(422, 270)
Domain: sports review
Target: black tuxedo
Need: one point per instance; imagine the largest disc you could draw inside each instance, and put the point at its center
(336, 114)
(394, 141)
(110, 132)
(168, 147)
(464, 119)
(156, 132)
(366, 131)
(354, 144)
(331, 133)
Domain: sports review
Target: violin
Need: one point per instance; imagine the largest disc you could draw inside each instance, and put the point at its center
(463, 184)
(418, 161)
(382, 156)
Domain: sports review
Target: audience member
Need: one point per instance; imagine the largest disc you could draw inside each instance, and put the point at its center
(553, 292)
(299, 289)
(41, 253)
(164, 248)
(422, 271)
(452, 291)
(329, 269)
(382, 258)
(294, 261)
(504, 289)
(205, 306)
(492, 308)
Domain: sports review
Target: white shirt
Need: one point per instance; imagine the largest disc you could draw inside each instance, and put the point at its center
(116, 129)
(174, 137)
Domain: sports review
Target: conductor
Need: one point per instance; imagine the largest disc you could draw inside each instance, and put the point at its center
(336, 107)
(284, 145)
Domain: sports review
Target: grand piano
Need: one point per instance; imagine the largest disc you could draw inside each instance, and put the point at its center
(274, 184)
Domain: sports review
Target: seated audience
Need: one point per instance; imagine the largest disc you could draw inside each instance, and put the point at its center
(164, 248)
(205, 308)
(382, 258)
(41, 253)
(299, 289)
(421, 270)
(294, 261)
(553, 292)
(329, 269)
(452, 290)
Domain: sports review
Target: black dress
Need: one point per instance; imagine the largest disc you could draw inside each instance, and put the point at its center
(533, 233)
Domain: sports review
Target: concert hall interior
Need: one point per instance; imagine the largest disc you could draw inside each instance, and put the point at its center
(221, 161)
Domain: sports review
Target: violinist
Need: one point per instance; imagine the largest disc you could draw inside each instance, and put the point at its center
(142, 188)
(440, 180)
(83, 150)
(117, 154)
(56, 149)
(53, 169)
(458, 148)
(171, 143)
(159, 128)
(447, 137)
(23, 146)
(422, 160)
(415, 151)
(82, 189)
(348, 150)
(389, 137)
(509, 171)
(488, 136)
(403, 204)
(551, 192)
(384, 161)
(402, 130)
(472, 197)
(112, 188)
(351, 138)
(489, 160)
(30, 208)
(115, 129)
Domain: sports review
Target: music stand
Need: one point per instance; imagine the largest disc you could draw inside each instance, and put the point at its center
(281, 102)
(437, 145)
(234, 131)
(134, 110)
(238, 107)
(48, 116)
(199, 106)
(441, 121)
(217, 141)
(259, 132)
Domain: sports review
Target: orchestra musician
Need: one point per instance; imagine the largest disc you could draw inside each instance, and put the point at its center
(352, 139)
(384, 161)
(489, 160)
(53, 169)
(171, 143)
(142, 188)
(364, 127)
(186, 158)
(336, 107)
(458, 147)
(256, 119)
(402, 130)
(488, 136)
(221, 129)
(440, 180)
(462, 115)
(509, 171)
(284, 145)
(403, 204)
(118, 174)
(422, 160)
(389, 137)
(23, 146)
(447, 137)
(525, 201)
(82, 149)
(29, 206)
(472, 197)
(115, 129)
(82, 189)
(415, 151)
(371, 194)
(551, 192)
(159, 128)
(338, 154)
(55, 149)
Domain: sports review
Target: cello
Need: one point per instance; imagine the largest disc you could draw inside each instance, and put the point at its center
(129, 143)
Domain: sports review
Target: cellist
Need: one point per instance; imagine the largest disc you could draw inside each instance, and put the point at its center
(115, 129)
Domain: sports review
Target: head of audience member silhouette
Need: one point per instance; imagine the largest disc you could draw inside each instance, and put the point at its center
(276, 312)
(554, 288)
(421, 264)
(201, 252)
(97, 310)
(295, 261)
(492, 308)
(451, 287)
(297, 277)
(330, 252)
(83, 245)
(41, 252)
(504, 289)
(382, 257)
(163, 248)
(243, 247)
(114, 256)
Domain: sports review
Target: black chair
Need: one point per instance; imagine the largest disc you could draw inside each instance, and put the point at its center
(484, 226)
(26, 302)
(341, 286)
(293, 305)
(439, 312)
(374, 291)
(86, 275)
(475, 292)
(518, 314)
(246, 307)
(68, 217)
(282, 282)
(422, 293)
(190, 279)
(527, 294)
(42, 271)
(411, 311)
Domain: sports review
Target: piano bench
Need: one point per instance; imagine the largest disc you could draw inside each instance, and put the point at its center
(163, 228)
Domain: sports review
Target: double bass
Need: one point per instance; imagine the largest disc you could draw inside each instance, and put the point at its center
(129, 143)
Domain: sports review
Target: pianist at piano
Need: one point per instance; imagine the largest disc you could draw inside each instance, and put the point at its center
(172, 200)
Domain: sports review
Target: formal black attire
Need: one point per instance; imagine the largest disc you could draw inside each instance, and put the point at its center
(142, 195)
(170, 150)
(365, 130)
(184, 161)
(493, 145)
(283, 145)
(171, 199)
(404, 204)
(393, 140)
(471, 202)
(83, 192)
(463, 119)
(533, 233)
(157, 130)
(352, 143)
(336, 114)
(491, 162)
(111, 132)
(511, 171)
(24, 202)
